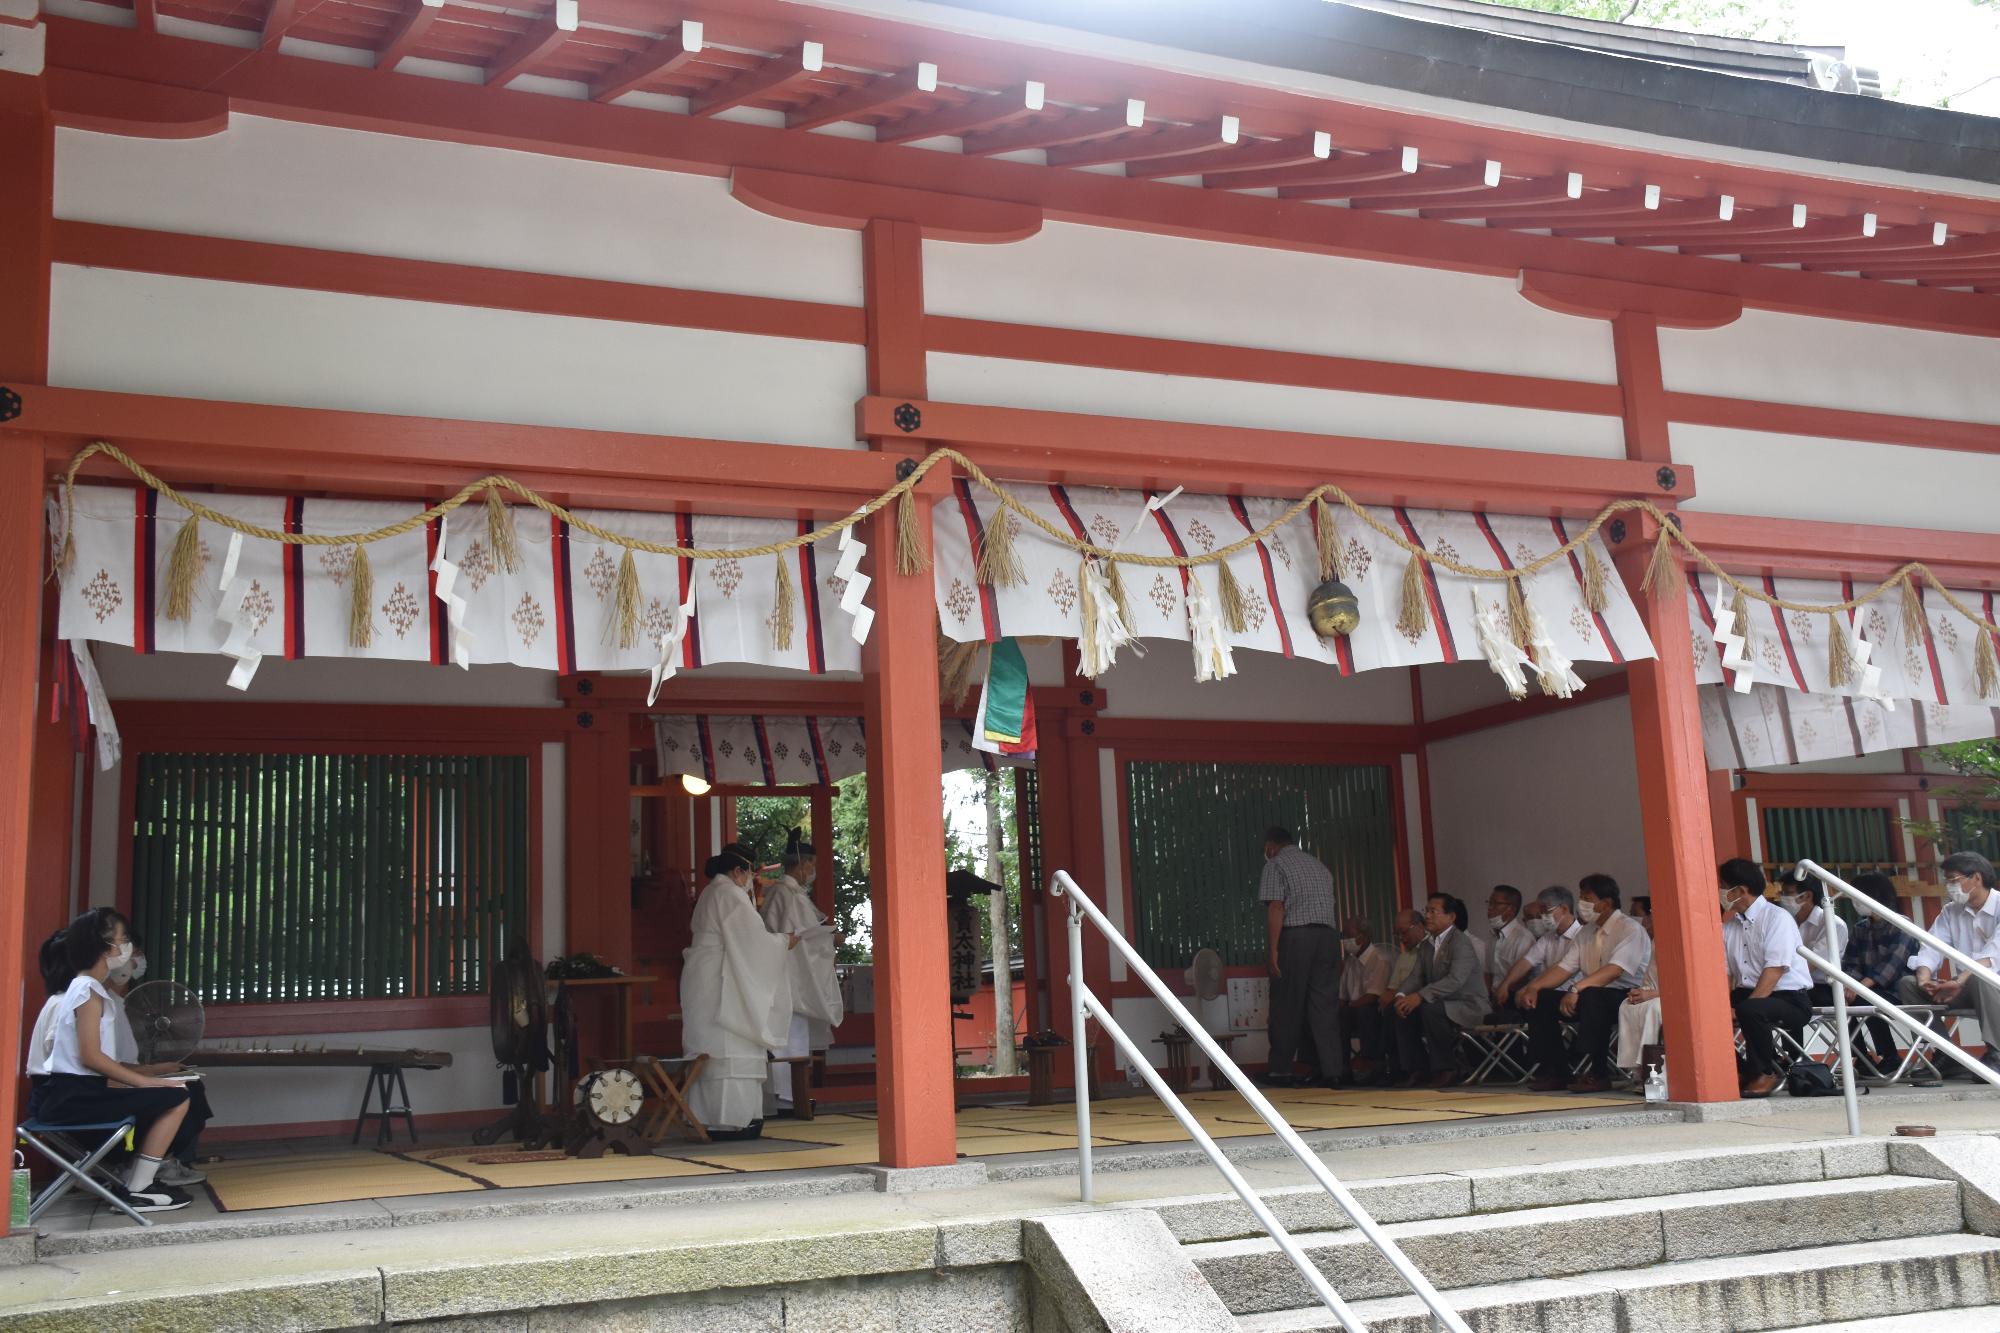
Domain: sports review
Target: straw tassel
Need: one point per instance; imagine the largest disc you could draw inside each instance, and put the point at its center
(958, 669)
(1840, 666)
(910, 555)
(1230, 593)
(500, 531)
(1660, 572)
(182, 566)
(1913, 611)
(999, 565)
(1415, 620)
(1594, 574)
(1517, 615)
(625, 609)
(781, 615)
(1086, 604)
(1332, 565)
(1739, 606)
(360, 611)
(1116, 584)
(1983, 663)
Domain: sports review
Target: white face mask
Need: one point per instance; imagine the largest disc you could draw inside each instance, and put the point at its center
(1587, 913)
(1956, 894)
(1542, 927)
(129, 971)
(1728, 901)
(119, 958)
(1496, 923)
(1348, 948)
(1790, 902)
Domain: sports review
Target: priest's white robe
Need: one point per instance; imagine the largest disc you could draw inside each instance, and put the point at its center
(736, 1004)
(790, 910)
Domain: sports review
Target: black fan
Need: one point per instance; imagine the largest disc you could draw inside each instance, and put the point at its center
(519, 1017)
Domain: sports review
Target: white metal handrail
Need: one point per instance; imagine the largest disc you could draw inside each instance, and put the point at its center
(1840, 983)
(1083, 1003)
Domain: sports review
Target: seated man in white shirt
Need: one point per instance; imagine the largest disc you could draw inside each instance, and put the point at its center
(1364, 984)
(1611, 956)
(1639, 1017)
(1768, 979)
(1539, 983)
(1820, 929)
(1970, 923)
(1513, 930)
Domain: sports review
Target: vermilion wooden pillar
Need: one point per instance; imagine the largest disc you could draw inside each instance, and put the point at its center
(913, 1055)
(1680, 852)
(27, 148)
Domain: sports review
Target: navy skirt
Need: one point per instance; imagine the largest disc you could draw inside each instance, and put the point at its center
(89, 1099)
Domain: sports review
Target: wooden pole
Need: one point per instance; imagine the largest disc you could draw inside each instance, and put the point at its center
(913, 1039)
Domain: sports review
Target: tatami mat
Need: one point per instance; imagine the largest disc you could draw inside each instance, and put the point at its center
(849, 1139)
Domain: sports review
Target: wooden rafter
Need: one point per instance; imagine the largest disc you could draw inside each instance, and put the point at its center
(408, 30)
(1389, 164)
(1173, 141)
(868, 99)
(1831, 235)
(1076, 127)
(1519, 196)
(1691, 214)
(1227, 159)
(774, 76)
(529, 49)
(676, 50)
(1399, 193)
(1891, 244)
(279, 17)
(984, 113)
(1767, 227)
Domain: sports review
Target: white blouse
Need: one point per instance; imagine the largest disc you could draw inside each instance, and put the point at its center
(65, 1056)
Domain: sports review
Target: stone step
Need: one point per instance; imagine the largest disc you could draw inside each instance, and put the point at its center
(1735, 1294)
(1253, 1275)
(1499, 1189)
(1983, 1319)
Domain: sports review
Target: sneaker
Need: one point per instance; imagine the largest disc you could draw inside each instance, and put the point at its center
(155, 1198)
(175, 1173)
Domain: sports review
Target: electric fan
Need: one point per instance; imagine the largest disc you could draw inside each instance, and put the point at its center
(519, 1018)
(1205, 976)
(166, 1019)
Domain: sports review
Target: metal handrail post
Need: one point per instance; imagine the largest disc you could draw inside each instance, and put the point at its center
(1079, 1052)
(1061, 884)
(1868, 905)
(1845, 1044)
(1894, 1014)
(1266, 1218)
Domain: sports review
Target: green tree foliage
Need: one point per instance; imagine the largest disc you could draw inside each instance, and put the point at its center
(1971, 805)
(1765, 20)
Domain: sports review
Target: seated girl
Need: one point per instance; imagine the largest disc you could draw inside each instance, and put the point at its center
(86, 1085)
(179, 1168)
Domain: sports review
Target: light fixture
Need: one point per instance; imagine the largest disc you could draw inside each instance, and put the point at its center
(693, 785)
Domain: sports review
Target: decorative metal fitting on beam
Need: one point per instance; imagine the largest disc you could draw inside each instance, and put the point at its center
(908, 418)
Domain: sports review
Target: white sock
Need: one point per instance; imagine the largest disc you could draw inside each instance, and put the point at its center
(144, 1168)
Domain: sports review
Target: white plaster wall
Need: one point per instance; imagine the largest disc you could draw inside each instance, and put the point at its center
(1451, 688)
(304, 1096)
(1081, 277)
(1058, 388)
(1265, 688)
(1840, 481)
(325, 680)
(144, 333)
(294, 184)
(1838, 363)
(1538, 802)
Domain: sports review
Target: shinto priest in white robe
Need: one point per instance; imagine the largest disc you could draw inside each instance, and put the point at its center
(789, 910)
(736, 1004)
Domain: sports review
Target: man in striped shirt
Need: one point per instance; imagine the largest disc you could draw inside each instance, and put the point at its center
(1300, 919)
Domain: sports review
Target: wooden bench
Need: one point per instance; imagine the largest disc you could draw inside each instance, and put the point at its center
(802, 1083)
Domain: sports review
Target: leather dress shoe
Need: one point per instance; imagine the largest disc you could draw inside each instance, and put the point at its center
(1549, 1085)
(1761, 1086)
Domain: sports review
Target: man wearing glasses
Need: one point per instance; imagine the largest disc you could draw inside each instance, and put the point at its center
(1970, 923)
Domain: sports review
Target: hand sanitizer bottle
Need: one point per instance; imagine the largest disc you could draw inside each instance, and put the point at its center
(1656, 1083)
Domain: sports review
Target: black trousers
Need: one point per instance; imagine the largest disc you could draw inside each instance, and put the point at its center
(1427, 1041)
(1546, 1047)
(1305, 998)
(1596, 1024)
(1787, 1009)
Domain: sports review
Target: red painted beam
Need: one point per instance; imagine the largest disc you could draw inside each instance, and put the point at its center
(536, 44)
(1076, 127)
(277, 19)
(984, 112)
(772, 78)
(853, 205)
(1832, 423)
(409, 29)
(1257, 365)
(868, 99)
(325, 93)
(1597, 298)
(1410, 192)
(1229, 159)
(675, 51)
(1688, 212)
(1599, 689)
(1391, 164)
(1805, 548)
(1125, 451)
(1138, 147)
(1514, 197)
(223, 259)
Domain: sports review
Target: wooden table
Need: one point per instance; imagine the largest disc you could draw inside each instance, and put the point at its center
(627, 989)
(386, 1098)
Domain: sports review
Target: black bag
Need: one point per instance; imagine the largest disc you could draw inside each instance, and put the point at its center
(1810, 1078)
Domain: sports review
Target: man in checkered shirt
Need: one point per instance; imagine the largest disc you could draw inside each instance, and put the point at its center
(1305, 960)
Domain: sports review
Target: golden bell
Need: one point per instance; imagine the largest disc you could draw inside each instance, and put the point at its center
(1333, 609)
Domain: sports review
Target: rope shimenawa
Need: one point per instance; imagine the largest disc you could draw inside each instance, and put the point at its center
(998, 565)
